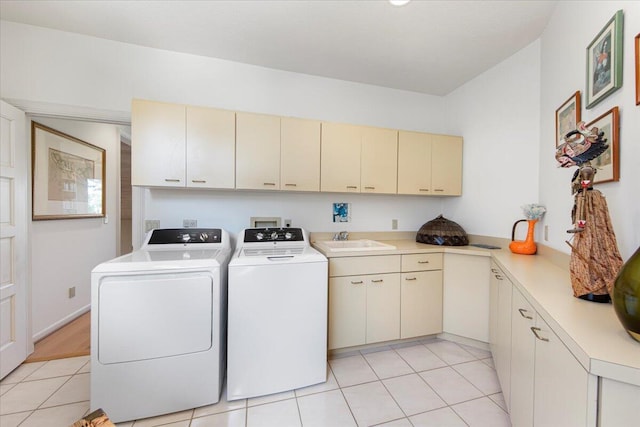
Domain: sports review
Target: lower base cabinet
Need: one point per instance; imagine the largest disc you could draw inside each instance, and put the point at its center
(523, 349)
(549, 387)
(466, 296)
(363, 309)
(402, 298)
(619, 404)
(421, 303)
(561, 384)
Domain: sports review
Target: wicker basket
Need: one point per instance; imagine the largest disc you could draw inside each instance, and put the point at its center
(441, 231)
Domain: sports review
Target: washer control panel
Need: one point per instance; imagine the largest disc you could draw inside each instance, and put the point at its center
(256, 235)
(167, 236)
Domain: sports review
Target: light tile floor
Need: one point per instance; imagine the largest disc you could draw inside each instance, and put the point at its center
(422, 383)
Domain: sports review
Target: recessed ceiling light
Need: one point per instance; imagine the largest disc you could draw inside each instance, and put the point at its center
(399, 2)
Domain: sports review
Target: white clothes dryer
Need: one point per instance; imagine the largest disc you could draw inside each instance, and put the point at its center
(277, 338)
(158, 325)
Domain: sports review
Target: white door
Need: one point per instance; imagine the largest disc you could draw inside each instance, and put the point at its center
(13, 238)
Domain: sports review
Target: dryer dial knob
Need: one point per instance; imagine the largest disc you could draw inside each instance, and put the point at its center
(259, 236)
(274, 236)
(288, 235)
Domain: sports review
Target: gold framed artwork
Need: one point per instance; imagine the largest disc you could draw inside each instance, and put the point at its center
(608, 163)
(637, 69)
(567, 116)
(68, 176)
(604, 61)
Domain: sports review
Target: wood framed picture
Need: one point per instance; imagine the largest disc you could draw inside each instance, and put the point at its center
(608, 163)
(604, 61)
(567, 116)
(637, 69)
(68, 176)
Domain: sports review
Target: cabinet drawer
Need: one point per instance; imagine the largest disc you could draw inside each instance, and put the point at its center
(351, 266)
(421, 262)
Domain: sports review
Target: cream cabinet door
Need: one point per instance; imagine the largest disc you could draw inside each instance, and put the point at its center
(503, 339)
(257, 151)
(300, 155)
(446, 165)
(414, 163)
(379, 161)
(383, 307)
(466, 296)
(211, 141)
(158, 144)
(523, 347)
(421, 303)
(340, 158)
(561, 386)
(347, 311)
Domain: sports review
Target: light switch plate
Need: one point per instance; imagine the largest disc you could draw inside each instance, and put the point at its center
(394, 224)
(189, 223)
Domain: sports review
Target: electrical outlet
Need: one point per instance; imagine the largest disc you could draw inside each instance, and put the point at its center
(189, 223)
(394, 224)
(150, 224)
(287, 223)
(72, 292)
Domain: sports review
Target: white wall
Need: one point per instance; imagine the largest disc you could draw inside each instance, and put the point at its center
(232, 210)
(563, 59)
(63, 252)
(498, 115)
(44, 65)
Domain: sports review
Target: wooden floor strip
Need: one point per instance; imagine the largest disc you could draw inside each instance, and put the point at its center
(72, 340)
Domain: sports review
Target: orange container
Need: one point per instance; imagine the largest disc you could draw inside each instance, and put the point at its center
(527, 246)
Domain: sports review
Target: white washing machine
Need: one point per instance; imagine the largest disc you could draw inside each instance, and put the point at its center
(158, 325)
(278, 292)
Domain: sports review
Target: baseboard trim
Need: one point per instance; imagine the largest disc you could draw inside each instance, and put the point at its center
(464, 340)
(60, 323)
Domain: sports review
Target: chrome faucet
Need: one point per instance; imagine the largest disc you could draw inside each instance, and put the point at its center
(342, 235)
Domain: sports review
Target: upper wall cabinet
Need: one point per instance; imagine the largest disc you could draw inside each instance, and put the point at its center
(158, 144)
(186, 146)
(211, 142)
(379, 160)
(181, 146)
(358, 159)
(257, 151)
(446, 165)
(414, 163)
(429, 164)
(299, 154)
(340, 158)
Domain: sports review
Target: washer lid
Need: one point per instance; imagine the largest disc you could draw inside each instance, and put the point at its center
(169, 259)
(252, 255)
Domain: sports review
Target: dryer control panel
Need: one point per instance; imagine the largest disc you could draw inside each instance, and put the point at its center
(167, 236)
(256, 235)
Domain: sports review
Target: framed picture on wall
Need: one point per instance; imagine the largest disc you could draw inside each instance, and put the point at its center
(638, 69)
(604, 61)
(608, 163)
(567, 116)
(68, 176)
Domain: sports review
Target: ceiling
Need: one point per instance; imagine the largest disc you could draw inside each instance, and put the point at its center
(426, 46)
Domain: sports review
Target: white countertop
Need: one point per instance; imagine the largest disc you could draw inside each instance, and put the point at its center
(591, 331)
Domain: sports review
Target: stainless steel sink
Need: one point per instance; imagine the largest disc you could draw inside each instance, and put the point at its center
(353, 245)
